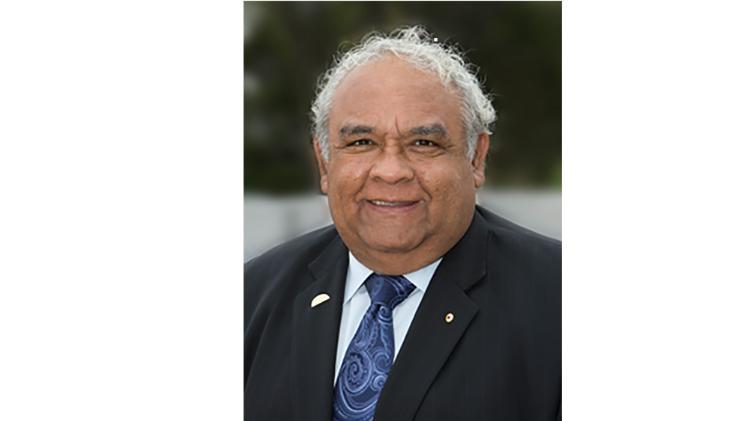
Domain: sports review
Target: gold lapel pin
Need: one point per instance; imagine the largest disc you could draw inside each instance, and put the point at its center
(319, 299)
(448, 317)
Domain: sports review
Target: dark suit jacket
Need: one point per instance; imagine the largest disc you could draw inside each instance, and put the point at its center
(499, 359)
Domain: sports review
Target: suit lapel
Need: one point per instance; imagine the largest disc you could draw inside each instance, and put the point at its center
(431, 339)
(315, 335)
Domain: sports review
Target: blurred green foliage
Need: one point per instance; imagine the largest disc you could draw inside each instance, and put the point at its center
(516, 45)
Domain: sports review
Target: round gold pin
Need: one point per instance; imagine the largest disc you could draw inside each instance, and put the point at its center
(448, 317)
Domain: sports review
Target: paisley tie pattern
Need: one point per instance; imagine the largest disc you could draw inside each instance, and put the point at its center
(370, 354)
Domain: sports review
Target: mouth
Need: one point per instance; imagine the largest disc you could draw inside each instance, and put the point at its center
(392, 205)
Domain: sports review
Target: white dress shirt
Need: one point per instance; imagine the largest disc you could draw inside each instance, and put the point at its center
(357, 300)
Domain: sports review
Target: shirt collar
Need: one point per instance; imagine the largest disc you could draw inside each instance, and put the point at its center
(358, 273)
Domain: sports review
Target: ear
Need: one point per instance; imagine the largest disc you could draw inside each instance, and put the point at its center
(480, 157)
(322, 166)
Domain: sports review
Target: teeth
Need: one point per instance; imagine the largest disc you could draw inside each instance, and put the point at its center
(382, 203)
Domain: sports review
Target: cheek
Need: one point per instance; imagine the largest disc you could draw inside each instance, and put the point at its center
(451, 192)
(346, 179)
(447, 182)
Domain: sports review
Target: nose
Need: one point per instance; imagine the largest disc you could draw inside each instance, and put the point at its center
(392, 166)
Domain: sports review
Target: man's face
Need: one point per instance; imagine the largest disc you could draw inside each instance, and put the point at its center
(398, 180)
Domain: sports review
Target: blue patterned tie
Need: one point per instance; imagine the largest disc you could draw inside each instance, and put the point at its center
(370, 354)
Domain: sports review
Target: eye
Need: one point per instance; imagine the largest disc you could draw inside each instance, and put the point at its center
(361, 142)
(424, 142)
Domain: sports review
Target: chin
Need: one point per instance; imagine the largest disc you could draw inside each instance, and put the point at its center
(392, 245)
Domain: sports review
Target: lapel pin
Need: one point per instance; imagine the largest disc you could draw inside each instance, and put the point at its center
(319, 299)
(448, 317)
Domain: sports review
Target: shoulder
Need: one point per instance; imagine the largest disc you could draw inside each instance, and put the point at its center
(518, 237)
(300, 249)
(292, 256)
(529, 252)
(280, 273)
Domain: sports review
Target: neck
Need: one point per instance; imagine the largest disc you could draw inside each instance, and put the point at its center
(402, 262)
(393, 264)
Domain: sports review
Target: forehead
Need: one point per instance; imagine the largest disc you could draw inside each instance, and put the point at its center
(390, 89)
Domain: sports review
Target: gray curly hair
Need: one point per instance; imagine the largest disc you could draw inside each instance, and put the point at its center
(417, 46)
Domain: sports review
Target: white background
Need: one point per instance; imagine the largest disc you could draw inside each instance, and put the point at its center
(121, 210)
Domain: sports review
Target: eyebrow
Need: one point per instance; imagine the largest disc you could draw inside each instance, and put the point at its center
(353, 130)
(427, 130)
(436, 128)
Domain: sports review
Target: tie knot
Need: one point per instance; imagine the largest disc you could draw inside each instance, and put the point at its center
(387, 290)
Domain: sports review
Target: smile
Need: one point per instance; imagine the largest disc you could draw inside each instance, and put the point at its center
(390, 207)
(391, 204)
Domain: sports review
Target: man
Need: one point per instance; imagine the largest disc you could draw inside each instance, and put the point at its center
(416, 304)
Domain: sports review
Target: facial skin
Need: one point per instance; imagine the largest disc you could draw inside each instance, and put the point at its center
(400, 187)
